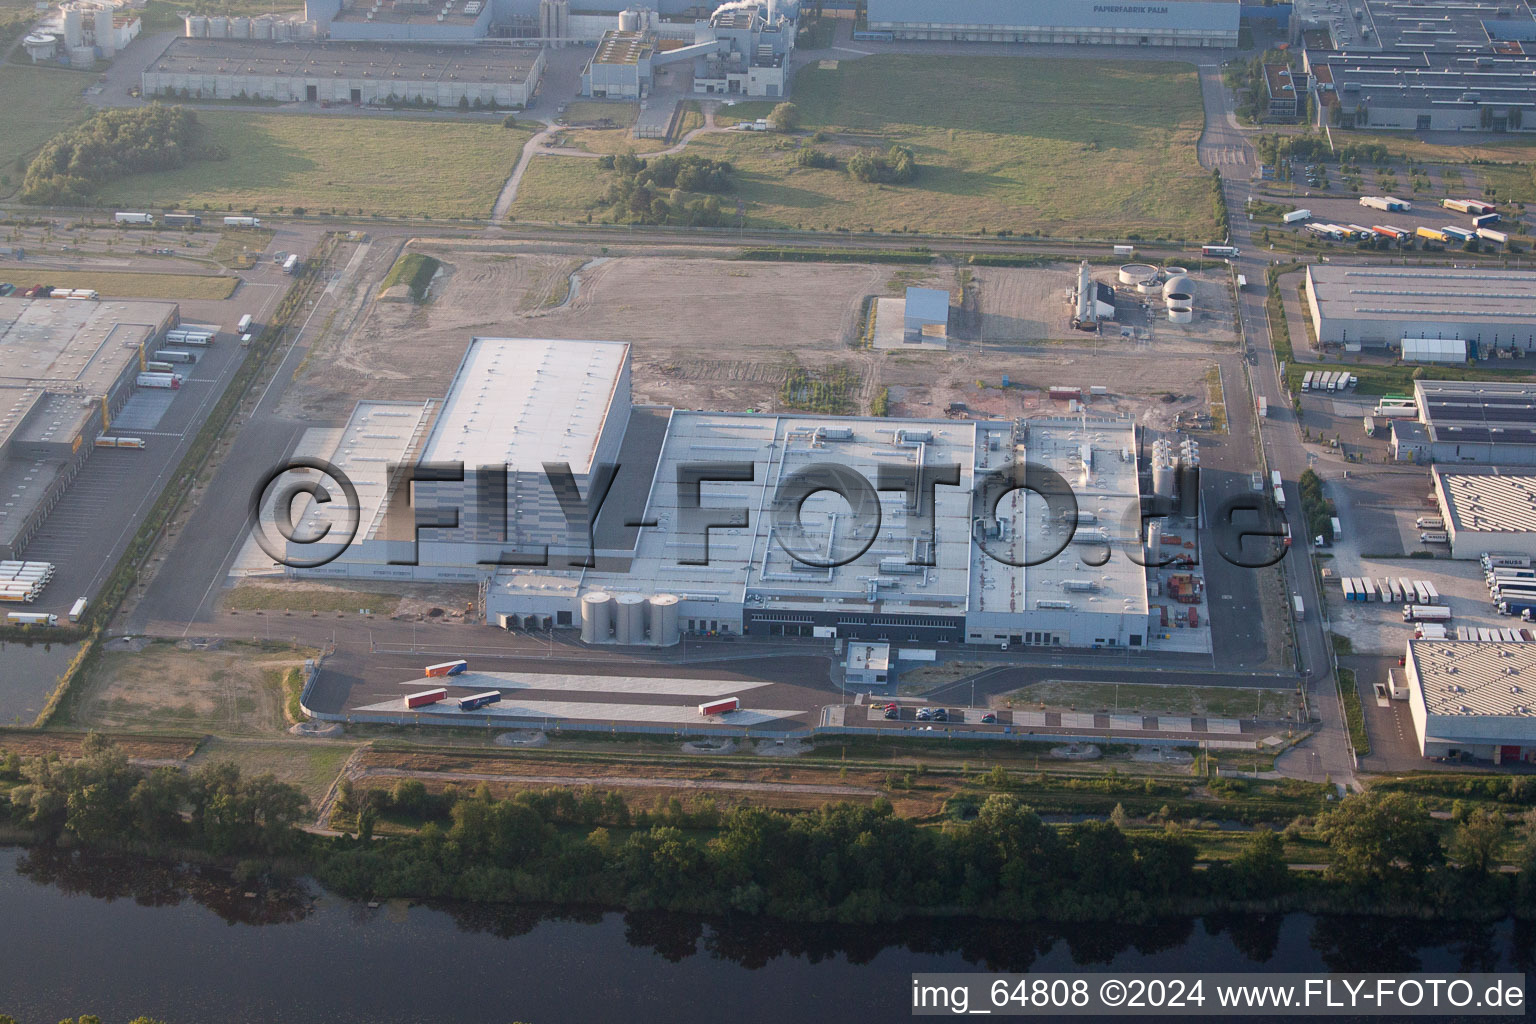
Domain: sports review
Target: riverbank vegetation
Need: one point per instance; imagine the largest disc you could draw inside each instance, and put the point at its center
(992, 856)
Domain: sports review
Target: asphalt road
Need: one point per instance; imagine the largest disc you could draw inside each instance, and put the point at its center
(1328, 753)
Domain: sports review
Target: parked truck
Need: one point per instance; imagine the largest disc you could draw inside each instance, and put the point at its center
(1434, 537)
(479, 700)
(31, 619)
(1490, 235)
(291, 264)
(1280, 497)
(245, 324)
(77, 609)
(172, 381)
(1338, 527)
(719, 707)
(183, 220)
(1429, 523)
(242, 222)
(1299, 608)
(422, 698)
(1296, 216)
(1426, 613)
(130, 217)
(446, 668)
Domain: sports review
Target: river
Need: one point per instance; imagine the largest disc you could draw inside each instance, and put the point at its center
(120, 937)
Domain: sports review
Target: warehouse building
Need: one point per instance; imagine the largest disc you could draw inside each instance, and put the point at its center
(346, 73)
(1473, 699)
(1205, 23)
(66, 368)
(1285, 92)
(1487, 510)
(742, 49)
(1493, 311)
(1427, 66)
(724, 555)
(1487, 422)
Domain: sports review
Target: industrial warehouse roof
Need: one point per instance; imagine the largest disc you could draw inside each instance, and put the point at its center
(1457, 411)
(416, 61)
(522, 402)
(1474, 678)
(624, 47)
(929, 305)
(1496, 297)
(1004, 14)
(1488, 500)
(405, 12)
(1097, 458)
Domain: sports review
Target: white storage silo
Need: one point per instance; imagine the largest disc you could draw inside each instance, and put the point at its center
(1162, 476)
(664, 631)
(629, 21)
(306, 30)
(596, 617)
(261, 28)
(629, 619)
(197, 26)
(282, 29)
(239, 28)
(101, 25)
(1180, 313)
(41, 46)
(82, 56)
(74, 28)
(218, 27)
(1154, 541)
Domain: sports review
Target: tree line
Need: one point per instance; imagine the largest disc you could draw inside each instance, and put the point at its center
(113, 144)
(844, 862)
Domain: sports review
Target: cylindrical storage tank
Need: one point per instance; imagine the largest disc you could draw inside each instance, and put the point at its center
(664, 631)
(82, 56)
(1189, 486)
(1154, 541)
(1175, 271)
(1147, 287)
(261, 28)
(282, 29)
(106, 39)
(1163, 478)
(629, 619)
(1178, 284)
(1135, 273)
(1181, 314)
(74, 28)
(197, 26)
(596, 617)
(306, 30)
(218, 27)
(629, 21)
(239, 28)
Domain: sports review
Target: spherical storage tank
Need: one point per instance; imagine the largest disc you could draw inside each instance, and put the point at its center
(1178, 284)
(596, 616)
(664, 625)
(629, 619)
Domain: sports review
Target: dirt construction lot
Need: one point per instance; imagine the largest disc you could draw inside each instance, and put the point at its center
(712, 333)
(236, 690)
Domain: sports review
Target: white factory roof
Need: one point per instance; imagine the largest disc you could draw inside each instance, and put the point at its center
(868, 657)
(1503, 297)
(1109, 509)
(522, 402)
(378, 435)
(1471, 678)
(1495, 501)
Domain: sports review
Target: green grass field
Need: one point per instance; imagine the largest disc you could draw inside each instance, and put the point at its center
(35, 105)
(395, 166)
(1159, 698)
(1092, 148)
(124, 285)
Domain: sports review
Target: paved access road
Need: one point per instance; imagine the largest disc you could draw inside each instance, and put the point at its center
(1328, 753)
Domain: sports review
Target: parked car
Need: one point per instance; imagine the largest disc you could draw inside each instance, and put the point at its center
(891, 714)
(924, 715)
(988, 719)
(940, 715)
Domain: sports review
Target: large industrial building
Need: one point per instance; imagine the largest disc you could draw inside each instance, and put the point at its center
(66, 367)
(1487, 510)
(1474, 699)
(1205, 23)
(356, 73)
(1488, 422)
(640, 555)
(742, 49)
(1493, 311)
(1432, 65)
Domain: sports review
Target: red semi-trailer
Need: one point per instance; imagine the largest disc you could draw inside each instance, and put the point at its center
(719, 707)
(425, 697)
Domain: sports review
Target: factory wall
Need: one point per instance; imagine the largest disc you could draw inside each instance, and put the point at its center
(427, 32)
(1483, 453)
(616, 81)
(1441, 118)
(1057, 21)
(339, 89)
(1388, 333)
(1058, 627)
